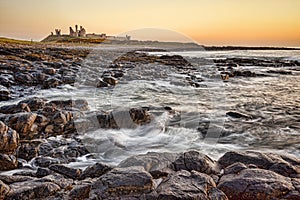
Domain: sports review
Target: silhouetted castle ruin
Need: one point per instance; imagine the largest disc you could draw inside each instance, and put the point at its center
(81, 32)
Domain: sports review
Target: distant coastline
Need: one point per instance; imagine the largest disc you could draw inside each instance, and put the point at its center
(53, 40)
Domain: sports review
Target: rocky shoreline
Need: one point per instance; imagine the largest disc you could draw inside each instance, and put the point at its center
(39, 137)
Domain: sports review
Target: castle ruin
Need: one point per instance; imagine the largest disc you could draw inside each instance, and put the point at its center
(78, 32)
(81, 32)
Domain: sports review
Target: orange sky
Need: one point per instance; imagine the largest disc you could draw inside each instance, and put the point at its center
(209, 22)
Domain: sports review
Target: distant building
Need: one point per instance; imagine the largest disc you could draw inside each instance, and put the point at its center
(81, 32)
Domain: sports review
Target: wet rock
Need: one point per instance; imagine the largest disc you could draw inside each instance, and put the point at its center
(42, 172)
(123, 118)
(32, 190)
(80, 192)
(249, 157)
(157, 164)
(51, 83)
(110, 80)
(9, 139)
(4, 93)
(66, 171)
(189, 185)
(34, 103)
(95, 170)
(101, 83)
(44, 161)
(60, 180)
(23, 123)
(8, 162)
(4, 189)
(238, 115)
(15, 108)
(286, 165)
(175, 60)
(283, 72)
(139, 116)
(235, 168)
(123, 182)
(29, 149)
(194, 160)
(80, 104)
(255, 184)
(8, 179)
(69, 79)
(49, 71)
(24, 78)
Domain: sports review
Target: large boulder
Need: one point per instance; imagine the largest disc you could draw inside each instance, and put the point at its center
(96, 170)
(126, 182)
(194, 160)
(189, 185)
(250, 184)
(32, 190)
(157, 164)
(9, 139)
(23, 123)
(66, 171)
(287, 165)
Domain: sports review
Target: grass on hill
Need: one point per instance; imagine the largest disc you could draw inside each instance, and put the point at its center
(15, 41)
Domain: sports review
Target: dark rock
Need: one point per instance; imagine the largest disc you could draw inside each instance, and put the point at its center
(189, 185)
(95, 170)
(8, 162)
(234, 168)
(29, 149)
(68, 79)
(8, 179)
(60, 180)
(32, 190)
(110, 80)
(286, 165)
(42, 172)
(80, 104)
(15, 108)
(51, 83)
(139, 116)
(9, 139)
(66, 171)
(249, 157)
(44, 161)
(238, 115)
(157, 164)
(123, 182)
(49, 71)
(246, 73)
(194, 160)
(4, 93)
(35, 103)
(4, 189)
(175, 60)
(101, 83)
(255, 184)
(283, 72)
(24, 78)
(80, 192)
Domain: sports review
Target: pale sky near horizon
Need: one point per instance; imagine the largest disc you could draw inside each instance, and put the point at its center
(209, 22)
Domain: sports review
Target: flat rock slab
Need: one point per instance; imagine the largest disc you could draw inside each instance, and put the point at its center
(32, 190)
(189, 185)
(130, 181)
(157, 164)
(251, 184)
